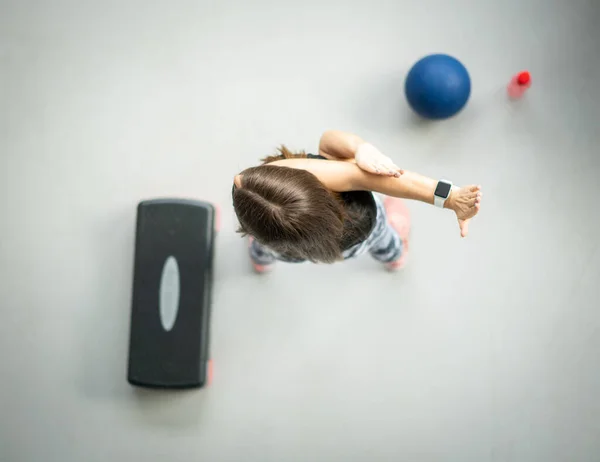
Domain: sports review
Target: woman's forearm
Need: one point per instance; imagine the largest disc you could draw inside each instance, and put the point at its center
(347, 176)
(465, 201)
(409, 185)
(344, 176)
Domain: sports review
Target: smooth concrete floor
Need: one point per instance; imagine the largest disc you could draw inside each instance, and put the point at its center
(483, 349)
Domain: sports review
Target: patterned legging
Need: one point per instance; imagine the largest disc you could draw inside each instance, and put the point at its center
(383, 244)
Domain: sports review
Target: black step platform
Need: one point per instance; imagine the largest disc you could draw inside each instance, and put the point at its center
(172, 288)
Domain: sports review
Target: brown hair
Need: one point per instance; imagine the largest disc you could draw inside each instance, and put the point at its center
(290, 211)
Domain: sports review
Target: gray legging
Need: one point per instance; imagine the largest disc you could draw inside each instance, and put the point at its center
(383, 244)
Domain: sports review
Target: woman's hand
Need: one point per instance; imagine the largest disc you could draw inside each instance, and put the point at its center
(338, 145)
(371, 160)
(466, 203)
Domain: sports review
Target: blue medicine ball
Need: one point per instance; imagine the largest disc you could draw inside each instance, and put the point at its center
(437, 87)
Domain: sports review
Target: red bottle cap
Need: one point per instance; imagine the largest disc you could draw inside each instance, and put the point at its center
(524, 78)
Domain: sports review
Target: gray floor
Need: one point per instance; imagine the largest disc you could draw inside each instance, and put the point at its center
(484, 349)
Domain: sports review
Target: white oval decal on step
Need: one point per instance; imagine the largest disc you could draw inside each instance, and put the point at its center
(168, 301)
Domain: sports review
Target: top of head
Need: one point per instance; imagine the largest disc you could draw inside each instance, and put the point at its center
(290, 211)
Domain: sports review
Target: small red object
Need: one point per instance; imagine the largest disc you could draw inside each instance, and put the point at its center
(524, 78)
(519, 84)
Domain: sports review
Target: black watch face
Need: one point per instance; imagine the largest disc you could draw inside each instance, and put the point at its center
(443, 189)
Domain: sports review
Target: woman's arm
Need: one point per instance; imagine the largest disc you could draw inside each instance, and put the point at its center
(346, 147)
(338, 145)
(345, 176)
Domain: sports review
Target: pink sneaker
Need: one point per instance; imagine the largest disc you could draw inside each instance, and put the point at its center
(398, 217)
(260, 269)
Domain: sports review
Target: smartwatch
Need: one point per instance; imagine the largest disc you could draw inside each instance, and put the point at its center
(442, 192)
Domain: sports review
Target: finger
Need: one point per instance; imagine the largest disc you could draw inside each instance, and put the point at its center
(384, 170)
(464, 228)
(474, 200)
(474, 188)
(474, 195)
(394, 169)
(471, 211)
(389, 170)
(375, 169)
(387, 167)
